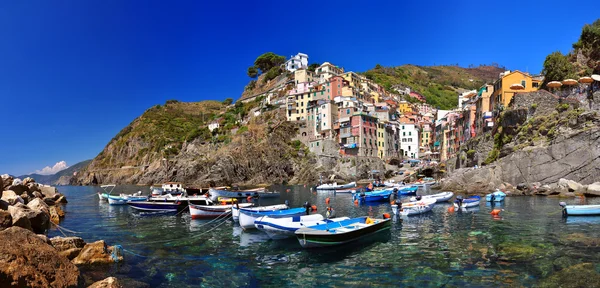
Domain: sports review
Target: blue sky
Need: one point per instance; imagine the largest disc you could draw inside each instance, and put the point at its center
(73, 73)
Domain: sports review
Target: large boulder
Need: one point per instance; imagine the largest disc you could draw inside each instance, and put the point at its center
(110, 282)
(49, 201)
(33, 187)
(69, 247)
(5, 220)
(19, 216)
(56, 213)
(48, 191)
(37, 194)
(4, 205)
(593, 189)
(27, 261)
(62, 199)
(11, 197)
(25, 198)
(96, 253)
(7, 180)
(570, 185)
(19, 188)
(28, 180)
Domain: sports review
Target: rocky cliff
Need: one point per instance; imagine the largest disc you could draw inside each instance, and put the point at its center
(537, 143)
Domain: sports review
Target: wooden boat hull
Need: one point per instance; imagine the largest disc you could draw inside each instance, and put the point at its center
(149, 206)
(215, 194)
(581, 210)
(336, 187)
(310, 237)
(469, 202)
(235, 212)
(247, 218)
(118, 200)
(212, 211)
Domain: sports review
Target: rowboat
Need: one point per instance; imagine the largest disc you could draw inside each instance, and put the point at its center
(407, 190)
(374, 196)
(123, 198)
(472, 201)
(414, 208)
(439, 197)
(260, 192)
(153, 206)
(198, 200)
(337, 233)
(497, 196)
(235, 211)
(280, 228)
(107, 190)
(580, 210)
(335, 186)
(247, 217)
(212, 211)
(350, 190)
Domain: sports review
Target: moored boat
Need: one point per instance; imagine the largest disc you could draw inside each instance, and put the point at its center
(335, 186)
(580, 210)
(153, 206)
(407, 190)
(337, 233)
(497, 196)
(414, 207)
(373, 196)
(123, 198)
(198, 200)
(439, 197)
(107, 190)
(212, 211)
(260, 192)
(247, 217)
(280, 228)
(472, 201)
(235, 211)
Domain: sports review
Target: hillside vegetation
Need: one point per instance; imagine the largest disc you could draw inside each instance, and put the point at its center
(439, 84)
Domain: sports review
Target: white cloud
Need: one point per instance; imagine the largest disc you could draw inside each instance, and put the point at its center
(62, 165)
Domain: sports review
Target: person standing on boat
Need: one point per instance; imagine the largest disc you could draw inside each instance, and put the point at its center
(330, 213)
(370, 187)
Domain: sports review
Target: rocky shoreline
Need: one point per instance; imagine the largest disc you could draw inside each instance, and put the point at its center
(27, 210)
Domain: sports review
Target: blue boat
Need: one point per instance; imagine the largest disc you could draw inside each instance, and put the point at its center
(407, 190)
(580, 210)
(470, 202)
(247, 217)
(375, 196)
(497, 196)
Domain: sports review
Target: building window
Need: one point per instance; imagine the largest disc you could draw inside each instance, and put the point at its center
(409, 134)
(347, 111)
(317, 144)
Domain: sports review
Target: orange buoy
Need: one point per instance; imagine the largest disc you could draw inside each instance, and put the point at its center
(356, 202)
(327, 200)
(496, 212)
(386, 215)
(249, 199)
(451, 209)
(314, 207)
(287, 190)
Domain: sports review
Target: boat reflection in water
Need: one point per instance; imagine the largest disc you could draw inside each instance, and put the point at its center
(249, 237)
(582, 220)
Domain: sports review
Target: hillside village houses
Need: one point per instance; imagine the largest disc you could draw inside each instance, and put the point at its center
(365, 120)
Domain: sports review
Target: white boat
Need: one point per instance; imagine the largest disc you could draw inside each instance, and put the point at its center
(335, 186)
(472, 201)
(174, 188)
(215, 194)
(281, 228)
(247, 217)
(415, 207)
(235, 211)
(212, 211)
(439, 197)
(122, 199)
(198, 200)
(107, 190)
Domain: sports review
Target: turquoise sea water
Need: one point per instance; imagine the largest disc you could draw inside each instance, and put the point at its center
(529, 244)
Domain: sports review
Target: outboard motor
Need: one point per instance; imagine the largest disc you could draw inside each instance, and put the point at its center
(564, 210)
(493, 197)
(395, 191)
(418, 197)
(255, 196)
(308, 207)
(362, 196)
(287, 203)
(459, 200)
(398, 202)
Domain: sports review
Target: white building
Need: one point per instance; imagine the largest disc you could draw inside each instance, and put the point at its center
(212, 126)
(462, 97)
(409, 140)
(328, 70)
(300, 61)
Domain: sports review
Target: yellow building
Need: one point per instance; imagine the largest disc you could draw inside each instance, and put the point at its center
(405, 107)
(303, 75)
(352, 78)
(381, 140)
(503, 93)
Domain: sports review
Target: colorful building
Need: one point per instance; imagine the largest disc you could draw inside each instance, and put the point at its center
(303, 75)
(503, 93)
(328, 70)
(300, 61)
(361, 139)
(409, 135)
(483, 109)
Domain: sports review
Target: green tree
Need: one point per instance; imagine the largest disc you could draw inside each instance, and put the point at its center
(272, 74)
(557, 67)
(252, 72)
(313, 67)
(589, 43)
(267, 61)
(227, 101)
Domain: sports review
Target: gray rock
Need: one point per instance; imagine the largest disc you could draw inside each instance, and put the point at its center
(48, 191)
(593, 189)
(10, 196)
(66, 243)
(37, 194)
(110, 282)
(571, 185)
(62, 199)
(49, 201)
(19, 189)
(6, 180)
(5, 220)
(19, 216)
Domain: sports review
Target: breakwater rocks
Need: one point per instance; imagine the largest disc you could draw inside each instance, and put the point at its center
(28, 257)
